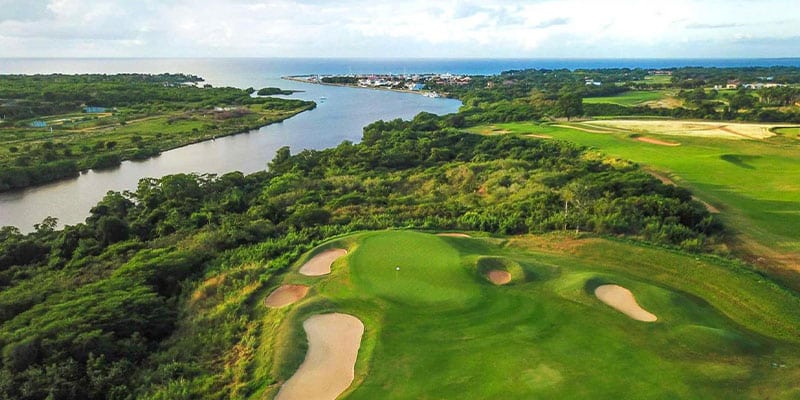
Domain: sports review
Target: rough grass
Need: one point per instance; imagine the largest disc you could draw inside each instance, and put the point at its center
(438, 329)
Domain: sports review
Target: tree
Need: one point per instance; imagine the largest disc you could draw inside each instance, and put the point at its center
(569, 105)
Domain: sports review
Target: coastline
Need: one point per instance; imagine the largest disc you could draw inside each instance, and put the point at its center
(299, 78)
(80, 171)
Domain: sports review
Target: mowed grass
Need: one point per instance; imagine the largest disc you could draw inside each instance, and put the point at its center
(752, 182)
(630, 98)
(438, 329)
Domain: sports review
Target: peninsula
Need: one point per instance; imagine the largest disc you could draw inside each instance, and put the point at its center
(53, 126)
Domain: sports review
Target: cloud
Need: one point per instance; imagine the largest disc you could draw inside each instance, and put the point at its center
(552, 22)
(27, 10)
(714, 26)
(383, 28)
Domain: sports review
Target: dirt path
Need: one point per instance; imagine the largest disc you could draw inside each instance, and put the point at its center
(623, 301)
(320, 264)
(329, 366)
(533, 135)
(454, 234)
(285, 295)
(499, 277)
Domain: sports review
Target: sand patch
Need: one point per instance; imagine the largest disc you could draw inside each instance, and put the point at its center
(320, 264)
(499, 277)
(329, 366)
(656, 141)
(623, 301)
(454, 234)
(285, 295)
(691, 128)
(533, 135)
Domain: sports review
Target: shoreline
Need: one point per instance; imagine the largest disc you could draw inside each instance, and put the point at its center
(299, 78)
(81, 171)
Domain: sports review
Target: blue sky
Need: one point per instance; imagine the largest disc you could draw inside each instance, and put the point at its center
(357, 28)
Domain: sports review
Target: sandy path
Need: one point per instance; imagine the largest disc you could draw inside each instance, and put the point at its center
(320, 264)
(656, 141)
(623, 301)
(329, 366)
(499, 277)
(285, 295)
(454, 234)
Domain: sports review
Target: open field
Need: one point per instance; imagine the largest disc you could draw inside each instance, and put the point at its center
(632, 98)
(752, 182)
(437, 328)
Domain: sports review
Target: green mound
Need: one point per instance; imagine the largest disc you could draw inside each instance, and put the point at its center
(436, 329)
(415, 269)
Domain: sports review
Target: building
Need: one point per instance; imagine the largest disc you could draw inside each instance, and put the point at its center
(38, 124)
(733, 84)
(93, 110)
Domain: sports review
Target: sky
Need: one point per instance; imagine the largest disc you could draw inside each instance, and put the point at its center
(402, 29)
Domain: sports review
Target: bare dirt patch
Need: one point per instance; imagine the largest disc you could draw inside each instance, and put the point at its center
(623, 301)
(329, 366)
(285, 295)
(320, 264)
(533, 135)
(656, 141)
(454, 234)
(499, 277)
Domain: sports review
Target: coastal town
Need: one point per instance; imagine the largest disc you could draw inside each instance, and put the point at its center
(414, 83)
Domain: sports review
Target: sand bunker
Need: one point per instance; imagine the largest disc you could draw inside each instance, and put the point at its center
(499, 277)
(454, 234)
(656, 141)
(285, 295)
(623, 301)
(329, 366)
(690, 128)
(320, 264)
(533, 135)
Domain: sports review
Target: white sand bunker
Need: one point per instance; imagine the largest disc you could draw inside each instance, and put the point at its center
(285, 295)
(454, 234)
(499, 277)
(623, 301)
(329, 366)
(320, 264)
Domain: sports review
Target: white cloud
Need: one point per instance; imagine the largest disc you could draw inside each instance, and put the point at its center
(448, 28)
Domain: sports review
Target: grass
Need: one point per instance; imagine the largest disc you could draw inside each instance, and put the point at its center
(438, 329)
(630, 98)
(753, 182)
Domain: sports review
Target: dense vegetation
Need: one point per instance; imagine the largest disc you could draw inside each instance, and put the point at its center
(535, 94)
(56, 125)
(116, 307)
(271, 91)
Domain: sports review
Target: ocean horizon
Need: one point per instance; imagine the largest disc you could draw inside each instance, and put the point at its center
(355, 65)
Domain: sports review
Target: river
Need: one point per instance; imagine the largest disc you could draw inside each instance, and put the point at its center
(341, 116)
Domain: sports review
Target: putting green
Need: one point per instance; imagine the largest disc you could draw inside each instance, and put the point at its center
(437, 328)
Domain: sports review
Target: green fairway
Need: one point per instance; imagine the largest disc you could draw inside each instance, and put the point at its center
(438, 329)
(752, 182)
(630, 98)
